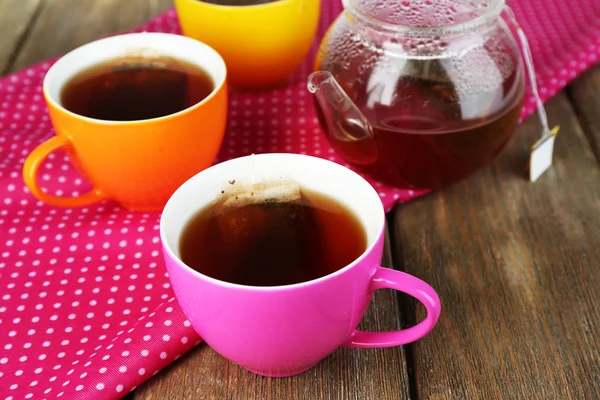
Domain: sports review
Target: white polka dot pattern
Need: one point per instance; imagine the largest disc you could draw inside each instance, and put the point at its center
(564, 38)
(86, 309)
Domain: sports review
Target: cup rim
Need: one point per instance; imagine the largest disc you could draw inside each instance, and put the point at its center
(230, 8)
(171, 36)
(370, 245)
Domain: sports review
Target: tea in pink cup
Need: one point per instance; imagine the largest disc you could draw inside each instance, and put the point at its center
(274, 259)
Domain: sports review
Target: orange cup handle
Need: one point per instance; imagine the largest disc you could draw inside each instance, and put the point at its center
(30, 170)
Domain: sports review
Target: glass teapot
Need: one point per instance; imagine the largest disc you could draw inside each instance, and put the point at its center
(418, 93)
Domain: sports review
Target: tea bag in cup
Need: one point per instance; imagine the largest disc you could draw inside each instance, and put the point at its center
(269, 211)
(245, 205)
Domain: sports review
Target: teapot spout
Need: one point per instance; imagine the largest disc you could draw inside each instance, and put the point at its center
(346, 128)
(317, 79)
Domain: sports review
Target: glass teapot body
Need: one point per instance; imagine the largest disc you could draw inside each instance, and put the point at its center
(418, 93)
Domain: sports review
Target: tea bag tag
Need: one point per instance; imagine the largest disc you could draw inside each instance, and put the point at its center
(540, 158)
(541, 155)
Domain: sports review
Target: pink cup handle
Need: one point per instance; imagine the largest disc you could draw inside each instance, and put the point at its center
(386, 278)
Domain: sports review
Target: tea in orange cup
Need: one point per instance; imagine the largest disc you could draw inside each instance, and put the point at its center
(137, 114)
(262, 42)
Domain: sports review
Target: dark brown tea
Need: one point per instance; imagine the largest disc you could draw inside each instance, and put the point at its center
(238, 2)
(132, 89)
(272, 244)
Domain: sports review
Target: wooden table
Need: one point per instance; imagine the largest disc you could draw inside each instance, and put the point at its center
(516, 264)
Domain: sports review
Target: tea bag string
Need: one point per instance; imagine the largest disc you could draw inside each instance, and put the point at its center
(530, 71)
(540, 158)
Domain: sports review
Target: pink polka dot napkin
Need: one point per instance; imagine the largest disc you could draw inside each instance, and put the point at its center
(86, 309)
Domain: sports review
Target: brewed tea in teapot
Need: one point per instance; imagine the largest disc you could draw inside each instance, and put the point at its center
(418, 93)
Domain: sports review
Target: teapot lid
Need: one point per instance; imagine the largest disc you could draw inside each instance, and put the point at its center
(425, 15)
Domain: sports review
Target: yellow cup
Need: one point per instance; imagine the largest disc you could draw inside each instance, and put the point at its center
(261, 44)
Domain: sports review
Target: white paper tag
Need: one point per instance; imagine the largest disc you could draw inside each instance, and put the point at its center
(541, 155)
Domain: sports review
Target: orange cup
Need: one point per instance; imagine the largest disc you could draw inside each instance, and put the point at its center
(137, 163)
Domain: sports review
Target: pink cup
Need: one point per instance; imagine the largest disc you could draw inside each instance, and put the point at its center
(285, 330)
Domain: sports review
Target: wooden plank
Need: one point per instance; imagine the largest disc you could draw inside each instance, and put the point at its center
(63, 25)
(15, 17)
(348, 374)
(584, 96)
(516, 265)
